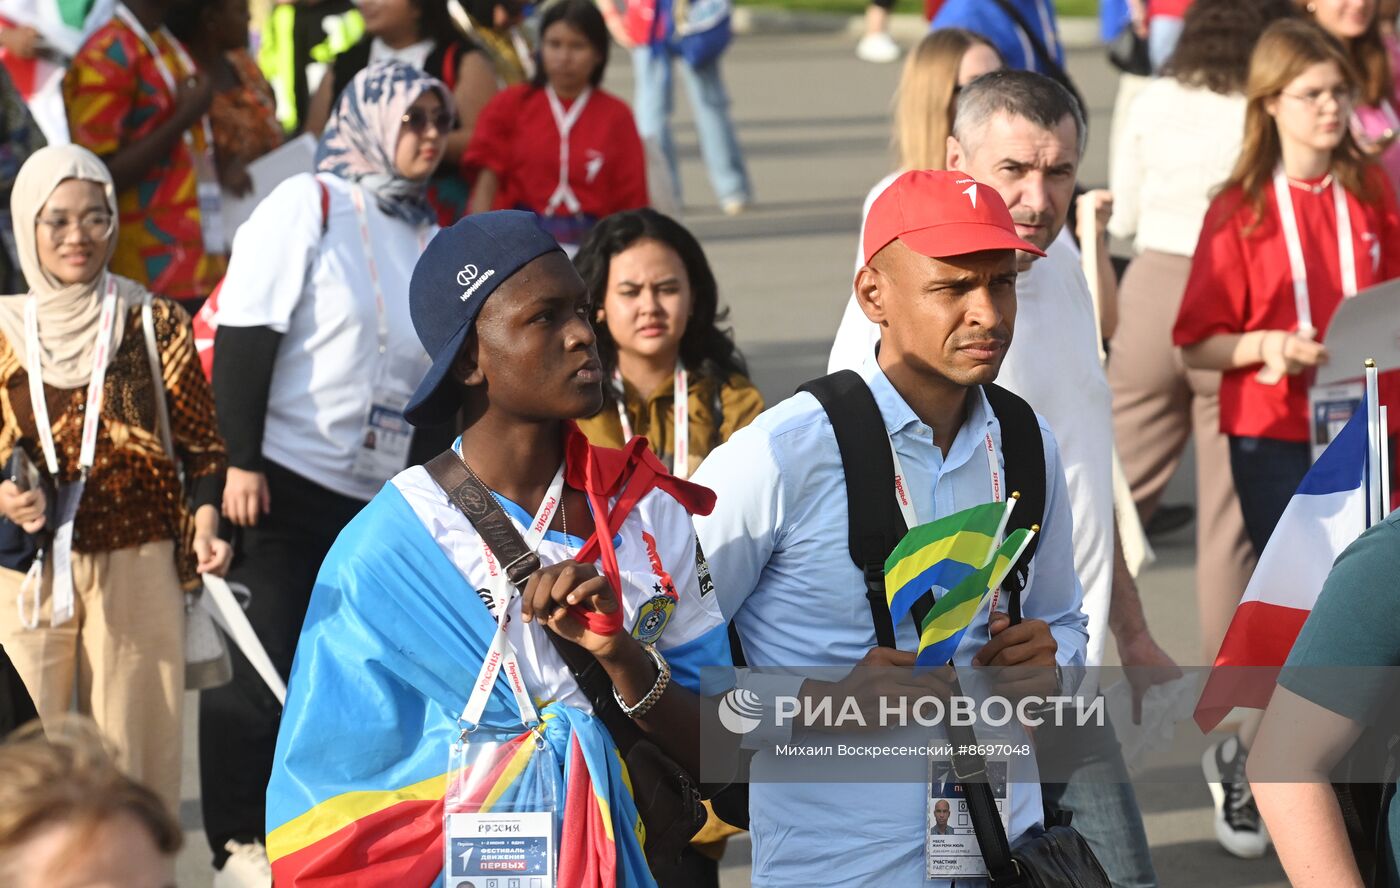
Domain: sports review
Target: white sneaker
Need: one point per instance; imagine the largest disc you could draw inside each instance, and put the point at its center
(733, 206)
(879, 48)
(1238, 826)
(247, 866)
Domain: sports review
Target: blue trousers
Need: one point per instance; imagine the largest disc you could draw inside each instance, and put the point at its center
(1267, 473)
(653, 104)
(1100, 796)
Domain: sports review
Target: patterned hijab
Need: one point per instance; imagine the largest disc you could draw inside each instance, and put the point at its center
(360, 139)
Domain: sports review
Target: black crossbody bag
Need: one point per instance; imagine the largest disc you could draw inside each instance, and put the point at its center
(1058, 857)
(668, 797)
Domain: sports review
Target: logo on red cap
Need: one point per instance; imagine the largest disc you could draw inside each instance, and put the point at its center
(941, 213)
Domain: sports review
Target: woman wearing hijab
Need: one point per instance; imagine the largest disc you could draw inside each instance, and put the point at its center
(79, 396)
(314, 360)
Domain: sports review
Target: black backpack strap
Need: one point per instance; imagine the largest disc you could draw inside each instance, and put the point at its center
(970, 770)
(876, 525)
(1023, 454)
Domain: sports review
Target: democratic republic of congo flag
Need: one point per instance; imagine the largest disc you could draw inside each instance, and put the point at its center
(390, 647)
(945, 624)
(941, 554)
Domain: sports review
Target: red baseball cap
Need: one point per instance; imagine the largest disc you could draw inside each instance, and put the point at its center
(941, 213)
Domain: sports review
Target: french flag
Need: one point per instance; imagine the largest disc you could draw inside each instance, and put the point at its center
(1325, 515)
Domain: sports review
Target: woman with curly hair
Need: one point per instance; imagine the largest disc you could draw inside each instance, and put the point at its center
(656, 313)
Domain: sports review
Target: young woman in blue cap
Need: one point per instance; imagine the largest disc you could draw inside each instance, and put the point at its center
(418, 644)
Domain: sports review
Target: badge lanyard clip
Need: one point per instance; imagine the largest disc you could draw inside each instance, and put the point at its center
(501, 658)
(69, 495)
(680, 419)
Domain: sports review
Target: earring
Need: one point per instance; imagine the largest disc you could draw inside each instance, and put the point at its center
(1312, 8)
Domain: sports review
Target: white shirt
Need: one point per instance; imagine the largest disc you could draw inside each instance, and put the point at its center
(316, 291)
(778, 546)
(694, 637)
(1176, 146)
(1053, 363)
(415, 54)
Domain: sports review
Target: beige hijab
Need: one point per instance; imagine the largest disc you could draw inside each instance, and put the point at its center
(69, 316)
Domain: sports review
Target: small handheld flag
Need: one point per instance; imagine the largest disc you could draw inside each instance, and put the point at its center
(946, 624)
(941, 554)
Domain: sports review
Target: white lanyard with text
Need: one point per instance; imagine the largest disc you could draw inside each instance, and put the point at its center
(500, 656)
(211, 221)
(1346, 248)
(357, 196)
(564, 122)
(680, 420)
(905, 497)
(69, 494)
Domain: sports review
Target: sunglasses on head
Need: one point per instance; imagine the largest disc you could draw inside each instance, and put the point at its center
(417, 121)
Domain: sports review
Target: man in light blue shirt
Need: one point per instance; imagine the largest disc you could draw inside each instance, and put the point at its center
(940, 279)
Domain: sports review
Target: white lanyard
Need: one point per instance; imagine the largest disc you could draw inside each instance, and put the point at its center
(564, 122)
(905, 497)
(1346, 248)
(500, 656)
(357, 197)
(69, 495)
(101, 356)
(131, 21)
(680, 420)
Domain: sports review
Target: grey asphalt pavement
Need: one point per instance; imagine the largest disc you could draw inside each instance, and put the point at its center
(814, 124)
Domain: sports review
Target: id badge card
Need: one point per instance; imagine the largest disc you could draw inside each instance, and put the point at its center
(950, 841)
(500, 818)
(211, 204)
(1329, 408)
(384, 439)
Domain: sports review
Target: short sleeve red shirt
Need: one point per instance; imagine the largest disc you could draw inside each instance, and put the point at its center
(1240, 281)
(516, 138)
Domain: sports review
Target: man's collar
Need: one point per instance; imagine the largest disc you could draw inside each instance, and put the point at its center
(897, 413)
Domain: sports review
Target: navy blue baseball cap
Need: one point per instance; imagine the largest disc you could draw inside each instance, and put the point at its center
(460, 269)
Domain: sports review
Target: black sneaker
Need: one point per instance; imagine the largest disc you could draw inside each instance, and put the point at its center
(1238, 826)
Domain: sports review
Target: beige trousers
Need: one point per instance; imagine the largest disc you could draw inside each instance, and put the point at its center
(123, 653)
(1159, 405)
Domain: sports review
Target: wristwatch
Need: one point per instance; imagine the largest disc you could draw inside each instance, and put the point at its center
(663, 679)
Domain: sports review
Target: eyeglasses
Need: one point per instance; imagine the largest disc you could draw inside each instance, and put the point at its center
(1313, 98)
(97, 226)
(417, 121)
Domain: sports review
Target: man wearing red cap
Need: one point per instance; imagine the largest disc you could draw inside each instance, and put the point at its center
(1024, 134)
(940, 280)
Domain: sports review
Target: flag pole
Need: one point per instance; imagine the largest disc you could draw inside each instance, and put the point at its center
(1385, 460)
(1001, 528)
(1373, 442)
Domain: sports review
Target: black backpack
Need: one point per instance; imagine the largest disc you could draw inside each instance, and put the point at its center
(875, 523)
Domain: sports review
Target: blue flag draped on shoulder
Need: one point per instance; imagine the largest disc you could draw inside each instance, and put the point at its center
(393, 638)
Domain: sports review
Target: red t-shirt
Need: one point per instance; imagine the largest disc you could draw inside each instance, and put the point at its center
(1168, 8)
(515, 137)
(1241, 282)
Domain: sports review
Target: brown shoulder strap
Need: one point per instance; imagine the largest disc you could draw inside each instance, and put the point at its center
(491, 521)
